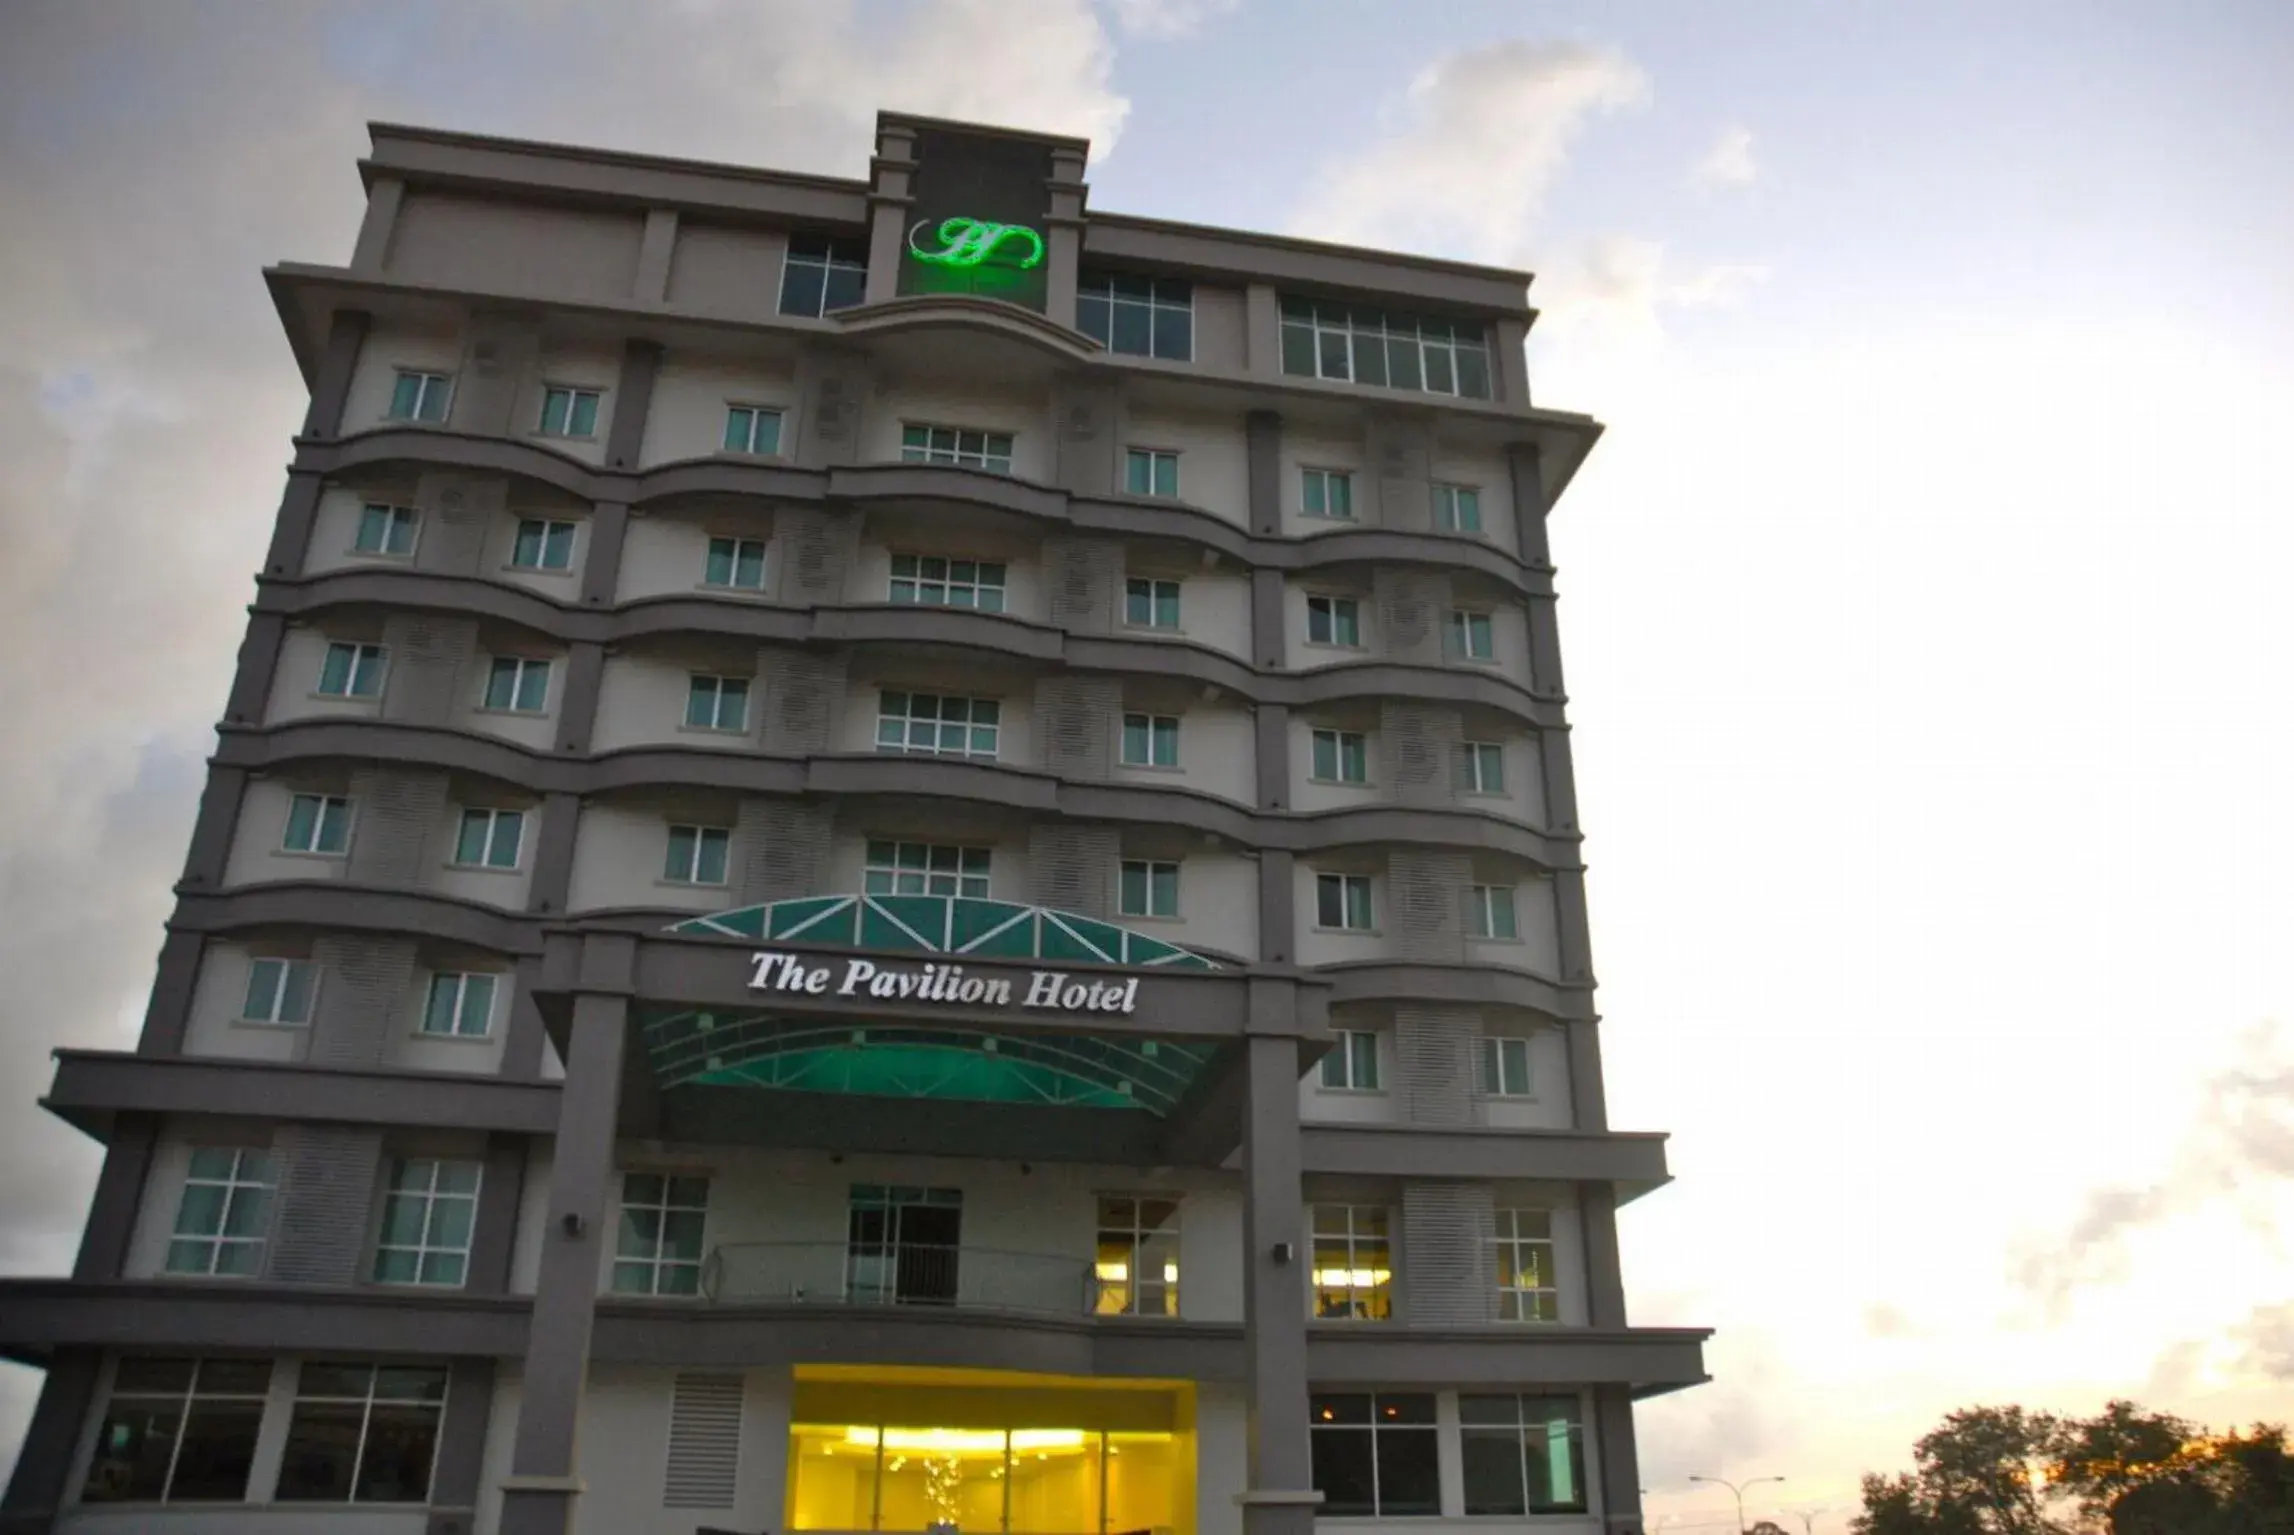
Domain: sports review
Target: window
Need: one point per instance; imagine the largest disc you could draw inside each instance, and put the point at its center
(1137, 1267)
(225, 1215)
(736, 562)
(1385, 349)
(318, 823)
(489, 839)
(1468, 636)
(930, 582)
(420, 396)
(1149, 604)
(1457, 509)
(717, 703)
(427, 1212)
(822, 274)
(1326, 493)
(178, 1431)
(362, 1433)
(1137, 316)
(1341, 756)
(351, 671)
(752, 429)
(1151, 472)
(461, 1005)
(1524, 1253)
(697, 855)
(279, 991)
(1375, 1455)
(518, 686)
(386, 529)
(1521, 1454)
(927, 723)
(1353, 1268)
(658, 1250)
(957, 445)
(1150, 888)
(569, 412)
(925, 868)
(1342, 901)
(543, 545)
(1150, 740)
(1505, 1067)
(1352, 1064)
(1334, 621)
(1481, 767)
(1489, 912)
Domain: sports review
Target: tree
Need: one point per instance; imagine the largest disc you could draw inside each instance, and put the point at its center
(1981, 1472)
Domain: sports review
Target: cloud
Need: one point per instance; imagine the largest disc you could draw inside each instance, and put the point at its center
(2242, 1130)
(1167, 20)
(1882, 1320)
(147, 397)
(2267, 1336)
(1477, 142)
(1729, 162)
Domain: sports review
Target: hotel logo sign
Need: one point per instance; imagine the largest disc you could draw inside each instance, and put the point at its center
(1054, 991)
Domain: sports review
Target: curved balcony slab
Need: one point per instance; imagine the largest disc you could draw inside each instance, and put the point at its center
(893, 485)
(886, 624)
(355, 908)
(930, 312)
(669, 764)
(93, 1085)
(1468, 985)
(42, 1315)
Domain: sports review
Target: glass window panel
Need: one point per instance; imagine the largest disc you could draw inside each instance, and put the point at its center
(1492, 1463)
(1402, 364)
(1133, 330)
(1409, 1477)
(1331, 354)
(1344, 1472)
(1473, 373)
(1175, 334)
(1298, 349)
(803, 285)
(1092, 317)
(1369, 362)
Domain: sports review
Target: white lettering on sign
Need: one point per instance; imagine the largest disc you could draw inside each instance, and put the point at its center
(1056, 991)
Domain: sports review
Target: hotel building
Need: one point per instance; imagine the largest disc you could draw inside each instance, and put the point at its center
(887, 855)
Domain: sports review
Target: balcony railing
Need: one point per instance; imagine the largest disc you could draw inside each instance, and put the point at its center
(953, 1278)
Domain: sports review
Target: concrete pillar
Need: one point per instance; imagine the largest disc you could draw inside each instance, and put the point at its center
(330, 386)
(1263, 443)
(168, 1013)
(1604, 1267)
(654, 255)
(383, 203)
(291, 532)
(890, 197)
(1589, 1105)
(461, 1448)
(1262, 330)
(554, 853)
(1620, 1460)
(258, 668)
(118, 1196)
(211, 832)
(601, 571)
(538, 1495)
(37, 1490)
(494, 1228)
(1280, 1498)
(1527, 477)
(632, 403)
(1510, 365)
(577, 705)
(1063, 235)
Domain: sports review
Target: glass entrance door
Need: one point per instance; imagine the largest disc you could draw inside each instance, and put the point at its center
(903, 1244)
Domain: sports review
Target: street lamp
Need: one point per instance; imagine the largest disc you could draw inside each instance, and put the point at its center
(1737, 1489)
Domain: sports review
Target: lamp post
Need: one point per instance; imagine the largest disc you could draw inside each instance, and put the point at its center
(1736, 1489)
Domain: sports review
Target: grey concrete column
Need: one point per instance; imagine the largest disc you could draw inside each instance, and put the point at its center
(37, 1490)
(890, 196)
(1063, 225)
(210, 855)
(1262, 329)
(383, 202)
(494, 1228)
(522, 1049)
(1604, 1265)
(577, 704)
(1613, 1440)
(1280, 1499)
(1545, 649)
(258, 669)
(538, 1494)
(1576, 939)
(1523, 463)
(1558, 763)
(1270, 615)
(1278, 907)
(168, 1012)
(291, 532)
(118, 1197)
(1263, 444)
(1511, 362)
(331, 385)
(601, 570)
(461, 1448)
(632, 404)
(654, 257)
(554, 853)
(1589, 1104)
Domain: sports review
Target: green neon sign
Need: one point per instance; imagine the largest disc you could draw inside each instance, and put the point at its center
(967, 242)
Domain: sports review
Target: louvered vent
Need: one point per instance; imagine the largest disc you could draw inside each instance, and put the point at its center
(1449, 1275)
(1426, 889)
(782, 848)
(1411, 607)
(1420, 743)
(1434, 1052)
(802, 695)
(704, 1442)
(1075, 724)
(1084, 576)
(326, 1182)
(362, 993)
(428, 661)
(819, 549)
(1072, 868)
(395, 816)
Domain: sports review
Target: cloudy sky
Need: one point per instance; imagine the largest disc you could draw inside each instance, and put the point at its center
(1924, 604)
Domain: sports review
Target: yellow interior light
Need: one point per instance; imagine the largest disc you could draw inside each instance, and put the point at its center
(1351, 1279)
(964, 1441)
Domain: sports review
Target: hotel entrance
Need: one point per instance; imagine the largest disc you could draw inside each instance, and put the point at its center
(985, 1453)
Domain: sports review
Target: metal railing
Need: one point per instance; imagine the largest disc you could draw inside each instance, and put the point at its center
(848, 1274)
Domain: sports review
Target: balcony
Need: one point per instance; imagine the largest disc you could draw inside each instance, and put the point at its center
(925, 1276)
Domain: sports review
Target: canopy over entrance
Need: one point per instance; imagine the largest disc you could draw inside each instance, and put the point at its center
(945, 1062)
